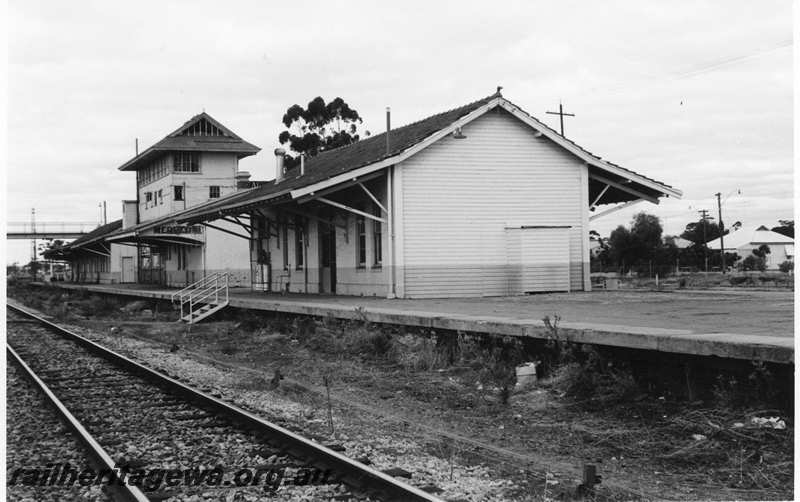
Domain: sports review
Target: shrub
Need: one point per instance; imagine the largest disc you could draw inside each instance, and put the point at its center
(754, 262)
(414, 352)
(786, 267)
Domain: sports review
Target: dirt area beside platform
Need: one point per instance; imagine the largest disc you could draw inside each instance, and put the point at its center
(423, 398)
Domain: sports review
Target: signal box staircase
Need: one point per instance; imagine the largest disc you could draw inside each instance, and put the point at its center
(203, 298)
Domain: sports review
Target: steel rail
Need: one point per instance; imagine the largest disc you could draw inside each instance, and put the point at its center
(100, 457)
(346, 470)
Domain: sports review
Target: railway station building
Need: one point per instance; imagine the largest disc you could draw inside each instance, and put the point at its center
(480, 200)
(195, 164)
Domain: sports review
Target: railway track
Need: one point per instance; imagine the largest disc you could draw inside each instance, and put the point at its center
(153, 437)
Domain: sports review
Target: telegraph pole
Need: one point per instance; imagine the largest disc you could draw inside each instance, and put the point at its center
(561, 116)
(704, 217)
(33, 247)
(721, 231)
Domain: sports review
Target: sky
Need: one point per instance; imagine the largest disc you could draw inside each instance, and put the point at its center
(698, 95)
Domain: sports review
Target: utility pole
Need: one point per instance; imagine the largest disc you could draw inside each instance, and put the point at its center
(33, 247)
(704, 217)
(105, 215)
(561, 115)
(721, 231)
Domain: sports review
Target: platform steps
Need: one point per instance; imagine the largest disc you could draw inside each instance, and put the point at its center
(203, 298)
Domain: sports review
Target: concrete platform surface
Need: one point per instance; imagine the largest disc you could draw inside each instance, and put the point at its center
(757, 325)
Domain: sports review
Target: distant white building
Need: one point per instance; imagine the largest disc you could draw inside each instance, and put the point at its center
(745, 240)
(682, 243)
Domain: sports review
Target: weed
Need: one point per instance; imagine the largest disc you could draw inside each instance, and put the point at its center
(414, 353)
(590, 374)
(499, 360)
(282, 324)
(305, 327)
(762, 381)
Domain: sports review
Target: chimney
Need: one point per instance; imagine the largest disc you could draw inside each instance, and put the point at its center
(243, 179)
(279, 154)
(129, 213)
(302, 164)
(388, 127)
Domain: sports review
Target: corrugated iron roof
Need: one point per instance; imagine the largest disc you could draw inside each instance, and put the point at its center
(98, 233)
(750, 236)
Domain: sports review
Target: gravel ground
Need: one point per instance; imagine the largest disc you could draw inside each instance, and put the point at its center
(37, 438)
(140, 425)
(415, 419)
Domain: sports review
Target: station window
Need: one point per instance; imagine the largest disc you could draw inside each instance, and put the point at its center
(160, 196)
(213, 191)
(299, 242)
(285, 238)
(148, 196)
(178, 192)
(361, 241)
(377, 238)
(186, 162)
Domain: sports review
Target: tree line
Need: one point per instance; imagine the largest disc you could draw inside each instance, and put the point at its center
(642, 249)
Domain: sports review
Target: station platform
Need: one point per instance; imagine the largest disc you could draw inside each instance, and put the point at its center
(735, 324)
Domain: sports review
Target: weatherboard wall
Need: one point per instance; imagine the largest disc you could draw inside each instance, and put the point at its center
(459, 195)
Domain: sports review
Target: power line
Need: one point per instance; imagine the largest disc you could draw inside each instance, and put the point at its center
(694, 72)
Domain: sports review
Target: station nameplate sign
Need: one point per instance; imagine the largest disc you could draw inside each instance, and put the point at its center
(179, 229)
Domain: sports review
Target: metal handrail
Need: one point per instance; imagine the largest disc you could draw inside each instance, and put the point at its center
(201, 291)
(193, 285)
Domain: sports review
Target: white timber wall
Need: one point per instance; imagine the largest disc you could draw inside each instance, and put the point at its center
(216, 169)
(459, 195)
(118, 252)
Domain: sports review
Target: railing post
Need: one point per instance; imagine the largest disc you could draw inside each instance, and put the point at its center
(227, 298)
(216, 290)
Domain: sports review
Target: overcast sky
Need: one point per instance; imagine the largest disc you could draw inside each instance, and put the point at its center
(695, 94)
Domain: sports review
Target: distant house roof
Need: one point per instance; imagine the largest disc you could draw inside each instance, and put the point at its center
(201, 133)
(335, 166)
(750, 236)
(682, 243)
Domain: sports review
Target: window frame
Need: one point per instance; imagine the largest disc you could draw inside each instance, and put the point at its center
(377, 238)
(175, 191)
(285, 238)
(211, 190)
(361, 239)
(179, 159)
(299, 243)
